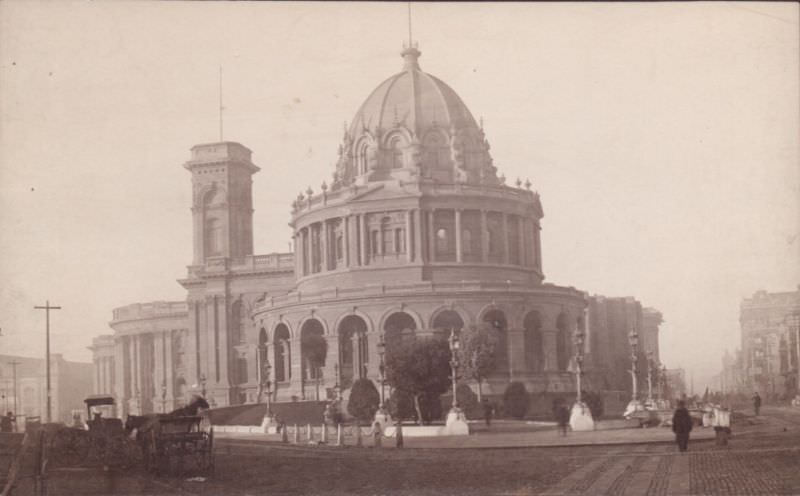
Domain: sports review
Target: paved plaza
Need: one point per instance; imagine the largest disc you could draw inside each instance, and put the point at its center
(762, 458)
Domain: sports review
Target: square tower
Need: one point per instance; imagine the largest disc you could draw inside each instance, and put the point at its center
(222, 200)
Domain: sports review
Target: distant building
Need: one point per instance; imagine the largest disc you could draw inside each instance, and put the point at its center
(676, 383)
(770, 324)
(609, 352)
(70, 383)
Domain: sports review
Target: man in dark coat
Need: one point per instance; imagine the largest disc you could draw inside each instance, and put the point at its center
(682, 425)
(756, 403)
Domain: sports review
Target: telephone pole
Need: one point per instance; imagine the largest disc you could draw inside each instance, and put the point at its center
(47, 309)
(14, 364)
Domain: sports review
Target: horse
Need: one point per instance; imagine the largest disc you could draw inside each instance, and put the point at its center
(191, 409)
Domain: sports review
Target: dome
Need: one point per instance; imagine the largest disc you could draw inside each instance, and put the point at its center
(414, 99)
(414, 126)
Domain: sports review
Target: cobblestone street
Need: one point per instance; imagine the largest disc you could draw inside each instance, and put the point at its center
(762, 458)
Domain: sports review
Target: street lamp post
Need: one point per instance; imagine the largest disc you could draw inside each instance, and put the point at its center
(203, 384)
(579, 339)
(267, 384)
(454, 346)
(382, 367)
(633, 340)
(649, 376)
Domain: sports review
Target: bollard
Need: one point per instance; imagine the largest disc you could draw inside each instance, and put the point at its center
(376, 433)
(296, 434)
(398, 432)
(339, 436)
(284, 434)
(324, 439)
(359, 442)
(309, 433)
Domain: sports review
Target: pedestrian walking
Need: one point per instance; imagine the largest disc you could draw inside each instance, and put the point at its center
(682, 425)
(756, 403)
(488, 411)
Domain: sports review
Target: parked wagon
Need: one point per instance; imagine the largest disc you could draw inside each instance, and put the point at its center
(179, 445)
(101, 441)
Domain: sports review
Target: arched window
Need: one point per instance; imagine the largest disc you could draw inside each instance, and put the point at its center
(562, 343)
(497, 320)
(445, 322)
(361, 158)
(282, 354)
(213, 237)
(534, 348)
(386, 236)
(397, 328)
(442, 241)
(353, 349)
(396, 153)
(466, 241)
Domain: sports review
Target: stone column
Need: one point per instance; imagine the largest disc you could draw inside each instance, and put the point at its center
(323, 241)
(302, 252)
(484, 238)
(521, 240)
(431, 236)
(331, 359)
(458, 234)
(550, 350)
(169, 373)
(364, 230)
(418, 252)
(516, 351)
(504, 228)
(538, 245)
(158, 370)
(409, 248)
(96, 384)
(295, 367)
(346, 237)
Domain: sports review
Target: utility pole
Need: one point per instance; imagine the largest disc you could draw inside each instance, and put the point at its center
(47, 309)
(14, 364)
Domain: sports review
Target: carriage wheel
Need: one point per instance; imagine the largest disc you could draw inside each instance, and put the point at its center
(70, 447)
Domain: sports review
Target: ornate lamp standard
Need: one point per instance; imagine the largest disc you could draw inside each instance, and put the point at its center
(203, 384)
(579, 339)
(454, 346)
(649, 377)
(267, 384)
(382, 367)
(633, 341)
(381, 415)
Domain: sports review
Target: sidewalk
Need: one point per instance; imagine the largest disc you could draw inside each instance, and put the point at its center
(536, 437)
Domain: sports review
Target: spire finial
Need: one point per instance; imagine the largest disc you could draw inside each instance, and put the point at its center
(221, 108)
(410, 53)
(409, 25)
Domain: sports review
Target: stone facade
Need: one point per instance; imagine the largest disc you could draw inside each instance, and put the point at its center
(770, 324)
(415, 235)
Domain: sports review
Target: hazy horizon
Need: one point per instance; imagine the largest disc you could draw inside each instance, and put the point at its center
(662, 138)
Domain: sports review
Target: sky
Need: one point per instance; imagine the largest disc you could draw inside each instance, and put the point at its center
(662, 138)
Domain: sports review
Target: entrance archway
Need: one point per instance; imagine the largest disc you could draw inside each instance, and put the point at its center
(353, 350)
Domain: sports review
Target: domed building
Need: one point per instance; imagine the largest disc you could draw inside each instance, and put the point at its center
(416, 235)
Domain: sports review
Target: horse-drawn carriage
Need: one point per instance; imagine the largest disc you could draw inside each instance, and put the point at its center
(102, 440)
(177, 442)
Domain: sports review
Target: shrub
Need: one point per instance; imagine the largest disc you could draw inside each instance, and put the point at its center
(364, 400)
(516, 400)
(401, 406)
(467, 399)
(595, 403)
